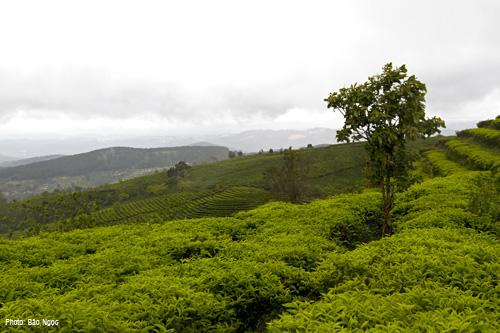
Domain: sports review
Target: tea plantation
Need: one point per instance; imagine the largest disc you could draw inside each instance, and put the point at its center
(315, 267)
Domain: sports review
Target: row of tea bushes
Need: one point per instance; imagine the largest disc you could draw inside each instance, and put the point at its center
(442, 164)
(491, 123)
(475, 155)
(280, 267)
(435, 274)
(488, 136)
(211, 274)
(430, 280)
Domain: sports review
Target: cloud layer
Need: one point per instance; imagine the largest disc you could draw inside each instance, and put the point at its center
(229, 65)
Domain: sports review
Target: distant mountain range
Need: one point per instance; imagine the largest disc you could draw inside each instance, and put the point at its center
(97, 167)
(113, 159)
(253, 141)
(249, 141)
(24, 161)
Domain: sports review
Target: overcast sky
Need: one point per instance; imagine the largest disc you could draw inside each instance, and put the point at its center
(126, 68)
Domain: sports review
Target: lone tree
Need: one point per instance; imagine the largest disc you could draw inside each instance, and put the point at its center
(289, 181)
(387, 112)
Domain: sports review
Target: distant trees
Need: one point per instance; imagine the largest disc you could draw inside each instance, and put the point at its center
(233, 154)
(289, 181)
(73, 210)
(387, 112)
(3, 199)
(178, 170)
(157, 190)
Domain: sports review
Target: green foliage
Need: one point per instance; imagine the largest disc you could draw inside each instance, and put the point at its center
(157, 190)
(289, 181)
(224, 274)
(431, 280)
(347, 219)
(337, 169)
(450, 206)
(282, 266)
(233, 154)
(178, 170)
(337, 166)
(442, 164)
(491, 123)
(475, 155)
(386, 112)
(179, 205)
(488, 136)
(495, 124)
(485, 199)
(321, 266)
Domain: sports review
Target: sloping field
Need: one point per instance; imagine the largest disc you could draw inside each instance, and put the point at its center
(283, 267)
(314, 267)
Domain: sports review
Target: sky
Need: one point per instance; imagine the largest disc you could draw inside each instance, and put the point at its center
(132, 68)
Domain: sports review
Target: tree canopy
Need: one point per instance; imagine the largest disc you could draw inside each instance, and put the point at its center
(289, 181)
(387, 112)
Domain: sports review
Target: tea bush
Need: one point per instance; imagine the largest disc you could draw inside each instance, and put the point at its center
(444, 166)
(210, 274)
(486, 135)
(475, 155)
(431, 280)
(314, 267)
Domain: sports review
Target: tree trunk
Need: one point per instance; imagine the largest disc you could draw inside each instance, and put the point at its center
(386, 194)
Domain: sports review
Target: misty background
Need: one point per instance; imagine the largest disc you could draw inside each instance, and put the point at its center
(77, 76)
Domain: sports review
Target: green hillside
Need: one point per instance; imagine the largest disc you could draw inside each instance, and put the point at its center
(99, 167)
(315, 267)
(336, 169)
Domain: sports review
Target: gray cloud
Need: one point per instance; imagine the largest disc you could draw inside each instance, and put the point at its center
(450, 90)
(84, 93)
(257, 61)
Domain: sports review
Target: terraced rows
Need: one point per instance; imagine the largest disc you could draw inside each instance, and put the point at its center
(241, 171)
(475, 155)
(203, 203)
(155, 177)
(171, 203)
(228, 202)
(442, 164)
(488, 136)
(475, 149)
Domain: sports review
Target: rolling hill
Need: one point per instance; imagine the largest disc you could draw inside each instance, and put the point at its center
(99, 167)
(320, 266)
(337, 168)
